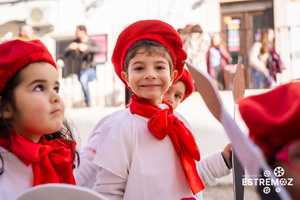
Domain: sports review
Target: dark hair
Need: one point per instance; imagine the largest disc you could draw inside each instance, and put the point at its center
(151, 47)
(7, 98)
(82, 28)
(196, 29)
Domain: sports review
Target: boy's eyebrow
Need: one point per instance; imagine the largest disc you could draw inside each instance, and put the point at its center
(41, 81)
(137, 62)
(159, 61)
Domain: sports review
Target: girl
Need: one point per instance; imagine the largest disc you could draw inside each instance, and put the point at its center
(217, 57)
(265, 63)
(36, 144)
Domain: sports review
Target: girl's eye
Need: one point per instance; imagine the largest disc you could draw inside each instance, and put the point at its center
(56, 89)
(39, 88)
(178, 96)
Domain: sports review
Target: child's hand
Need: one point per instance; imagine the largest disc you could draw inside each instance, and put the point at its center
(227, 155)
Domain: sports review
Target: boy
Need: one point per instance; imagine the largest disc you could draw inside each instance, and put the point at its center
(210, 167)
(145, 151)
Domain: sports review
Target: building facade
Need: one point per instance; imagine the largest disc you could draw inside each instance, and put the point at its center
(238, 20)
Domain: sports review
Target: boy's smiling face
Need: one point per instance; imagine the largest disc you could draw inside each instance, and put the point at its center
(149, 76)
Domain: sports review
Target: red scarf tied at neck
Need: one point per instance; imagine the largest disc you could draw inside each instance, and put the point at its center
(162, 123)
(52, 161)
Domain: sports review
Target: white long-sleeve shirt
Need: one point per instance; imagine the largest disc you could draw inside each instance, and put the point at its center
(16, 178)
(130, 163)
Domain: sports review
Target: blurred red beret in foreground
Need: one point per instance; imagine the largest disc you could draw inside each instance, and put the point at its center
(273, 117)
(156, 30)
(16, 54)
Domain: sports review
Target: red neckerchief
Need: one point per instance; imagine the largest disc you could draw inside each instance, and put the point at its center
(52, 161)
(162, 123)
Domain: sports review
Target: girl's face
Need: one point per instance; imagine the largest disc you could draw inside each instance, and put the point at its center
(216, 39)
(39, 108)
(149, 76)
(271, 35)
(175, 94)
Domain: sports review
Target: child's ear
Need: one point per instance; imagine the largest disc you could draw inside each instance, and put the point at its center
(124, 76)
(7, 112)
(174, 74)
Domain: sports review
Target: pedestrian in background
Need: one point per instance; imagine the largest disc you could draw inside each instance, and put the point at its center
(264, 62)
(26, 32)
(79, 59)
(36, 143)
(275, 65)
(217, 57)
(196, 46)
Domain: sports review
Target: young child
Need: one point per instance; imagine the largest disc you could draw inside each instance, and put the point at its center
(211, 167)
(36, 144)
(273, 122)
(180, 90)
(145, 151)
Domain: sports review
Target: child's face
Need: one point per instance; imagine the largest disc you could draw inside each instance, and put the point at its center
(289, 159)
(175, 94)
(39, 108)
(149, 76)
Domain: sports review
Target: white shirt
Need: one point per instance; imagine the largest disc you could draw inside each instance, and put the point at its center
(16, 178)
(129, 158)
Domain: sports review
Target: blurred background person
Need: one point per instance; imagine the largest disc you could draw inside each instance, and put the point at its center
(27, 33)
(275, 64)
(185, 33)
(217, 57)
(196, 46)
(265, 63)
(79, 59)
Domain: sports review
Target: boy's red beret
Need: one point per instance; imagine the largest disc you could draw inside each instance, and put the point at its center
(273, 117)
(156, 30)
(188, 81)
(16, 54)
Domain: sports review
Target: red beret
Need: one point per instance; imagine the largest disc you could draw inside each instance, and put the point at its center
(16, 54)
(153, 30)
(273, 117)
(188, 81)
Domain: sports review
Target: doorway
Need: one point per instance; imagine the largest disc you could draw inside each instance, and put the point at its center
(241, 24)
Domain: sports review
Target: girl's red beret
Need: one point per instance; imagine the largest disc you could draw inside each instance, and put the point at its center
(16, 54)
